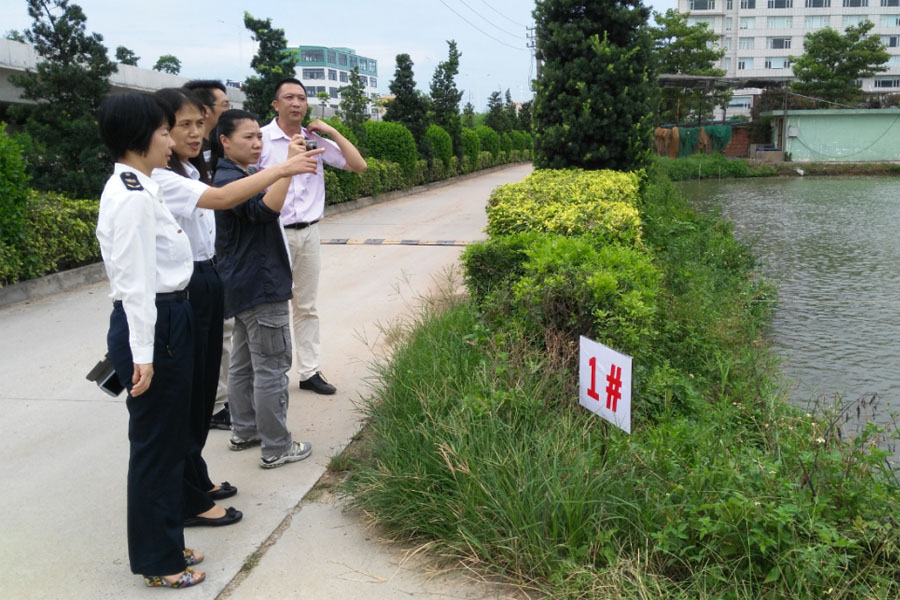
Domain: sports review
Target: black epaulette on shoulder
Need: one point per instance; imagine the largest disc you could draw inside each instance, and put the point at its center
(131, 181)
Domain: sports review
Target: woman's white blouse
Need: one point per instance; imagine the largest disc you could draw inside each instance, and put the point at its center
(145, 252)
(181, 195)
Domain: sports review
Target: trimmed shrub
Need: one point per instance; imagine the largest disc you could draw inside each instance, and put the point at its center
(471, 150)
(441, 144)
(393, 142)
(571, 202)
(519, 141)
(490, 140)
(340, 185)
(344, 130)
(381, 176)
(58, 235)
(572, 286)
(506, 144)
(13, 190)
(485, 160)
(491, 265)
(454, 167)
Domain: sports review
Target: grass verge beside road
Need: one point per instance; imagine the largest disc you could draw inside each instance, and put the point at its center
(476, 444)
(715, 166)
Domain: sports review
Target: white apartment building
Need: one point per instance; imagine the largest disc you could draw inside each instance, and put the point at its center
(759, 36)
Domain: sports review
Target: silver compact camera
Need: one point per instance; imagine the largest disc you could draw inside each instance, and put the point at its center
(311, 145)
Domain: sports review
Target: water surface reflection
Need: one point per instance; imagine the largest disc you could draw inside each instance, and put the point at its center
(833, 248)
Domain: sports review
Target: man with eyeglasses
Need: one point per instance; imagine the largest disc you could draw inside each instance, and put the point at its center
(215, 101)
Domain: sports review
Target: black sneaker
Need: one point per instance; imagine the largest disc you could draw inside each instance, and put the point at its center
(221, 420)
(317, 384)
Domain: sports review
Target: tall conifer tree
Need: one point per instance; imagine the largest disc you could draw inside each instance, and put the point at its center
(445, 97)
(595, 98)
(409, 107)
(273, 62)
(71, 79)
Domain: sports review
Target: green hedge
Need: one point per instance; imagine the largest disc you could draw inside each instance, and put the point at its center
(381, 176)
(13, 190)
(471, 150)
(441, 144)
(58, 234)
(571, 202)
(393, 142)
(506, 143)
(490, 140)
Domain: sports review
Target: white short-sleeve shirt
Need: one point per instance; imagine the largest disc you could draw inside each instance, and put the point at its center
(145, 252)
(181, 195)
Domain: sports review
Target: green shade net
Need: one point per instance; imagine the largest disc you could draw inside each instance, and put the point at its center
(719, 136)
(688, 138)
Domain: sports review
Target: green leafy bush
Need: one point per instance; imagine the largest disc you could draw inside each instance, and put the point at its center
(707, 166)
(571, 202)
(485, 160)
(441, 144)
(344, 130)
(340, 185)
(381, 176)
(519, 141)
(490, 140)
(13, 190)
(58, 235)
(506, 144)
(471, 150)
(493, 264)
(392, 142)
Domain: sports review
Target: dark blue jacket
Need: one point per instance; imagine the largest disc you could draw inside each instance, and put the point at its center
(252, 258)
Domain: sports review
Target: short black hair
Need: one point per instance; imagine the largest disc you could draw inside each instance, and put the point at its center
(287, 80)
(128, 122)
(203, 88)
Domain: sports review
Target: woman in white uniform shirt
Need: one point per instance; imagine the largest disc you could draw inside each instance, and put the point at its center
(148, 261)
(185, 190)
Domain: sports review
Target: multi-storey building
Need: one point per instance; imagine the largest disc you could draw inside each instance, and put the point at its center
(324, 69)
(759, 36)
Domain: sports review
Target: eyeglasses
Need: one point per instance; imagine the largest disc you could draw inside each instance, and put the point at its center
(224, 104)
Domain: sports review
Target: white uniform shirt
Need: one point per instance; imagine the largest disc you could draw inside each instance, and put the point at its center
(305, 201)
(181, 195)
(144, 250)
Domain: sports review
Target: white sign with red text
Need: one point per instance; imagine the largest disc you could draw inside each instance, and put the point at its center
(605, 382)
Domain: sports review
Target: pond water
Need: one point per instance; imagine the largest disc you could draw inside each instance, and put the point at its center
(832, 246)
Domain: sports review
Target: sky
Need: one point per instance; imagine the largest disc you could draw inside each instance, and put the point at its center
(210, 39)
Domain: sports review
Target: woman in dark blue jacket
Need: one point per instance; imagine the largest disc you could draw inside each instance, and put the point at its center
(256, 270)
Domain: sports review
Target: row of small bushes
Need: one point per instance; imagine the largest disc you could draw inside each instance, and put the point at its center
(43, 232)
(476, 444)
(384, 174)
(57, 234)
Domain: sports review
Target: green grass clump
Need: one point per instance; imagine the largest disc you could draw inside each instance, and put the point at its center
(476, 445)
(708, 166)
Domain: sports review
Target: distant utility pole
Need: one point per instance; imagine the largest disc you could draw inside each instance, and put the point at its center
(532, 44)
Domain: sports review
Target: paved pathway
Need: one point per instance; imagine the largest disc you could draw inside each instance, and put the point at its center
(65, 447)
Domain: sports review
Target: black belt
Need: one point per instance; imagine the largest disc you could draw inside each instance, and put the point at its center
(209, 262)
(178, 296)
(300, 225)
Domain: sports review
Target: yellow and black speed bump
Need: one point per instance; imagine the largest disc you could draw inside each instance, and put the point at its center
(391, 242)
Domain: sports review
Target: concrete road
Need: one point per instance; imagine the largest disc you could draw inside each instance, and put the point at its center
(65, 446)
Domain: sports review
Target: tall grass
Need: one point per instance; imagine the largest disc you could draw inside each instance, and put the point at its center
(476, 444)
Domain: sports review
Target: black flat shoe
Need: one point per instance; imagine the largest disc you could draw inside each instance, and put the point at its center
(226, 490)
(231, 516)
